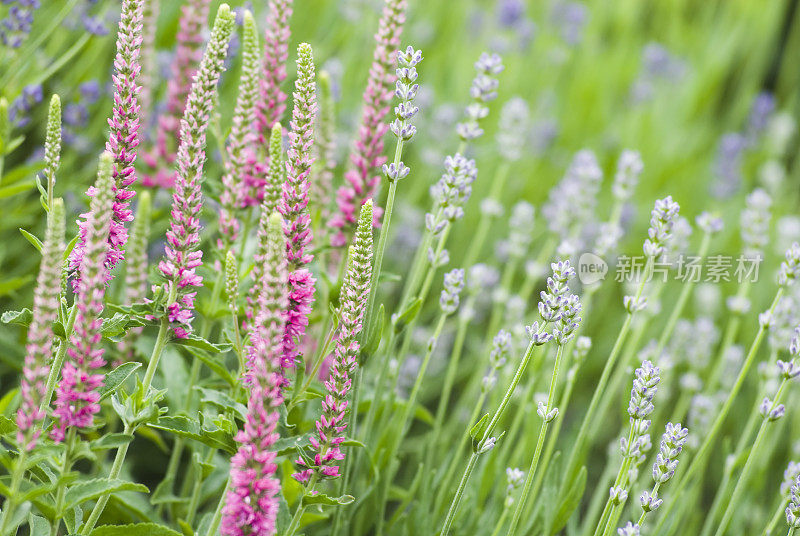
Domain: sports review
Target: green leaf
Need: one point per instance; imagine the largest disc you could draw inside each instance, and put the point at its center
(7, 426)
(375, 332)
(71, 246)
(114, 379)
(134, 529)
(186, 528)
(111, 441)
(400, 321)
(163, 493)
(222, 401)
(14, 189)
(10, 285)
(182, 426)
(570, 502)
(35, 242)
(22, 317)
(195, 341)
(477, 432)
(38, 526)
(92, 489)
(119, 324)
(216, 363)
(321, 498)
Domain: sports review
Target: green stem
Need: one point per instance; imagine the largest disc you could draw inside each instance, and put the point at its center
(500, 522)
(215, 521)
(476, 244)
(61, 493)
(325, 348)
(16, 482)
(451, 513)
(748, 465)
(58, 363)
(301, 508)
(526, 489)
(600, 389)
(705, 448)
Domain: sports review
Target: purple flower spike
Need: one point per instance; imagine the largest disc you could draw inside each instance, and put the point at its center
(367, 157)
(251, 506)
(182, 256)
(123, 138)
(77, 399)
(331, 424)
(294, 205)
(39, 351)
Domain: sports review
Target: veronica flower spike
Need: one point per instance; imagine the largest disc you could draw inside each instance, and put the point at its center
(294, 205)
(182, 257)
(251, 503)
(331, 425)
(123, 137)
(366, 157)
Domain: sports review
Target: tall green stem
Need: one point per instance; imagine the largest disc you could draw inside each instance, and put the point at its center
(16, 481)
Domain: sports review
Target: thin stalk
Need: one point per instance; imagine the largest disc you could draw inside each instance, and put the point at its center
(122, 450)
(748, 466)
(301, 508)
(606, 519)
(551, 398)
(500, 522)
(699, 459)
(320, 359)
(58, 362)
(213, 527)
(599, 391)
(61, 493)
(451, 512)
(477, 242)
(16, 481)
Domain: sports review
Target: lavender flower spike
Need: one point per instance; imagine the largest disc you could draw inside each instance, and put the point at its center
(181, 250)
(39, 351)
(483, 90)
(251, 506)
(271, 103)
(242, 136)
(793, 510)
(76, 395)
(355, 291)
(662, 220)
(294, 205)
(366, 158)
(123, 138)
(276, 176)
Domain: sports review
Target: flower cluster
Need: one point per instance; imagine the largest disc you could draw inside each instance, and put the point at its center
(483, 91)
(189, 51)
(790, 267)
(182, 254)
(367, 155)
(406, 89)
(17, 25)
(18, 112)
(39, 350)
(271, 103)
(123, 138)
(513, 129)
(294, 205)
(557, 308)
(755, 223)
(451, 192)
(450, 296)
(242, 137)
(629, 168)
(77, 399)
(662, 220)
(331, 425)
(793, 510)
(501, 349)
(645, 385)
(251, 505)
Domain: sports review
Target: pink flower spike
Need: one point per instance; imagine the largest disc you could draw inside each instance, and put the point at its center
(77, 399)
(331, 425)
(182, 256)
(367, 157)
(294, 205)
(272, 102)
(251, 505)
(39, 351)
(123, 138)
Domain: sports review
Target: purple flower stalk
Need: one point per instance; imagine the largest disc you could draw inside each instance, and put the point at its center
(272, 102)
(294, 205)
(194, 15)
(182, 256)
(251, 505)
(242, 136)
(77, 399)
(149, 62)
(276, 176)
(123, 138)
(39, 351)
(331, 424)
(367, 157)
